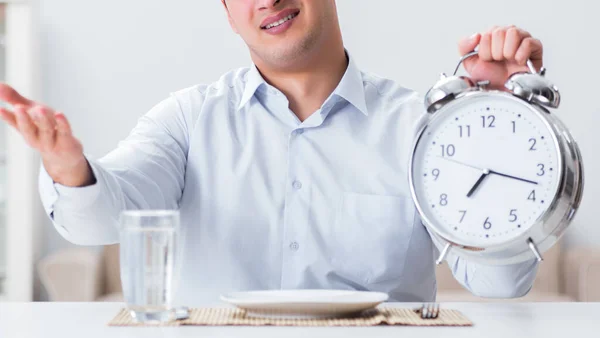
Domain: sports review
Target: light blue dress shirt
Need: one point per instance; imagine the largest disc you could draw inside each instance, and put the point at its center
(269, 202)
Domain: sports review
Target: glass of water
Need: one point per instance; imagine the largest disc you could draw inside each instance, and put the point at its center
(148, 249)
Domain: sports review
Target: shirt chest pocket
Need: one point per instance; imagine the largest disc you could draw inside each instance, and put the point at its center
(371, 237)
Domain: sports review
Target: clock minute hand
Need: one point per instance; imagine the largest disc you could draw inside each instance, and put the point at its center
(461, 163)
(484, 174)
(513, 177)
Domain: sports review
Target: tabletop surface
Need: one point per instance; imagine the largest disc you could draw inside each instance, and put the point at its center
(75, 320)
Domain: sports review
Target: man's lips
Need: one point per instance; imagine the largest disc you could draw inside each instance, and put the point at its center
(278, 17)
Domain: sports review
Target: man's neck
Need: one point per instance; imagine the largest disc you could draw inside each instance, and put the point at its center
(309, 85)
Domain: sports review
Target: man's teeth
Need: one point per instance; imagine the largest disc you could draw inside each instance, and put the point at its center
(275, 24)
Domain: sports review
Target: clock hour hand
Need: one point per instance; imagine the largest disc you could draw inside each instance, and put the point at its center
(478, 183)
(513, 177)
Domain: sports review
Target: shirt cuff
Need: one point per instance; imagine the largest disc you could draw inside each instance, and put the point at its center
(77, 197)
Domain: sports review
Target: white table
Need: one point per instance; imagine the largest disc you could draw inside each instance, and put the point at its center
(76, 320)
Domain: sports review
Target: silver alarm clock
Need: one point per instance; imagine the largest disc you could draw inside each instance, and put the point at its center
(495, 176)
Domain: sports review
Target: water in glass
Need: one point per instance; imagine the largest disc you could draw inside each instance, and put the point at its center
(148, 263)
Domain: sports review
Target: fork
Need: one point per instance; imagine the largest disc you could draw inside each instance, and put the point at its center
(430, 311)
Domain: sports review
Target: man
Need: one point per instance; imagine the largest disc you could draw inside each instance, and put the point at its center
(289, 174)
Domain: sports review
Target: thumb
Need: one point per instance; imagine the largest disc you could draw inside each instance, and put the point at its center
(467, 45)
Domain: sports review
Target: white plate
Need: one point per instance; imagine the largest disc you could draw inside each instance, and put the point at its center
(304, 303)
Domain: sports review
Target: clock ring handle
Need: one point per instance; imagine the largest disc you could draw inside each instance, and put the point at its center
(475, 52)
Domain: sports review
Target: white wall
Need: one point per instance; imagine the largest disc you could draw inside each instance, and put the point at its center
(105, 63)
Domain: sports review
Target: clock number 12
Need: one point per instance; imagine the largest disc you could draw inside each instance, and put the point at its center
(488, 121)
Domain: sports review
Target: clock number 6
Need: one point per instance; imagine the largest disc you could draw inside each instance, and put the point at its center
(487, 225)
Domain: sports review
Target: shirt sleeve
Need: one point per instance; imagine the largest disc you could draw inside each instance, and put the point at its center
(145, 171)
(490, 281)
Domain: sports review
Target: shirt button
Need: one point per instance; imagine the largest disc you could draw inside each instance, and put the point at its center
(294, 246)
(297, 185)
(299, 131)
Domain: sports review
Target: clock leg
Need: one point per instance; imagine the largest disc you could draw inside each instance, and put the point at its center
(535, 250)
(443, 254)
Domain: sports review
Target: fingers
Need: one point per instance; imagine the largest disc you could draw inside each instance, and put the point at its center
(467, 45)
(514, 37)
(46, 124)
(8, 94)
(40, 126)
(9, 117)
(530, 49)
(498, 39)
(510, 44)
(26, 126)
(485, 47)
(63, 126)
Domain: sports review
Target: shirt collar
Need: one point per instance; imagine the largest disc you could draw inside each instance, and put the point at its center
(350, 88)
(253, 81)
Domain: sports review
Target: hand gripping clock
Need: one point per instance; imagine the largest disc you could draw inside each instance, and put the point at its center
(495, 171)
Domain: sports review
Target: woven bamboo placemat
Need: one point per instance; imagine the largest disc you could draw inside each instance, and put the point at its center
(238, 317)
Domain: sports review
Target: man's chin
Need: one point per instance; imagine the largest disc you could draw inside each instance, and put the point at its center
(289, 56)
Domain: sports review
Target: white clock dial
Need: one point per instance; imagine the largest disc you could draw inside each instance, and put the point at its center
(485, 170)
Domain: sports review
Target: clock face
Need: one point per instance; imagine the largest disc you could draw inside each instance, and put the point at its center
(485, 170)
